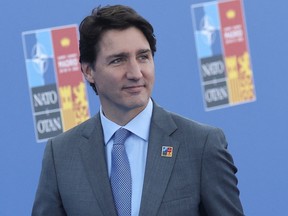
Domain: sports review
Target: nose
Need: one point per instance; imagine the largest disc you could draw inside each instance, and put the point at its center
(134, 71)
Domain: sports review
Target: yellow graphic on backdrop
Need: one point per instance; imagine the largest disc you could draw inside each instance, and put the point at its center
(65, 42)
(231, 14)
(81, 103)
(74, 111)
(240, 80)
(66, 97)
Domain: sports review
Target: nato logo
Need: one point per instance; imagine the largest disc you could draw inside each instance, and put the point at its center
(39, 58)
(207, 30)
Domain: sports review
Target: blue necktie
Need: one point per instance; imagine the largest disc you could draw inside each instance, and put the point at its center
(121, 180)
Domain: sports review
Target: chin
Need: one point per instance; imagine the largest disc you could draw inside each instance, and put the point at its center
(138, 103)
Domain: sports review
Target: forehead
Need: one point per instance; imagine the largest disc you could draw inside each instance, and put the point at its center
(127, 40)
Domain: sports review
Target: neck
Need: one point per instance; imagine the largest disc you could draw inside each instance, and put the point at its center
(122, 117)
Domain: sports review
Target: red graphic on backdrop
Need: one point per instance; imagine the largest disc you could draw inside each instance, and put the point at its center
(70, 80)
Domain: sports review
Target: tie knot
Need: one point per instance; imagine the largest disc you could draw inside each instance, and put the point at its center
(120, 136)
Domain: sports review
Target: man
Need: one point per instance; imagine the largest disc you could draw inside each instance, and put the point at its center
(173, 166)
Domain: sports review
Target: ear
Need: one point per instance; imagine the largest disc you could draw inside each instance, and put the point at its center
(88, 72)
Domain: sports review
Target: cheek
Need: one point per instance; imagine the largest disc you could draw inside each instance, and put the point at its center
(150, 76)
(151, 72)
(105, 82)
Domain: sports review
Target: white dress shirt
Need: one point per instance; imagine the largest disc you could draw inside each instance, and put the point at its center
(136, 147)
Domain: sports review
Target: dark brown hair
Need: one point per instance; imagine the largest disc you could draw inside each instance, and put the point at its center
(106, 18)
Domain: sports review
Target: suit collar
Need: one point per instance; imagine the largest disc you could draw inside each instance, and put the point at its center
(163, 120)
(158, 169)
(93, 156)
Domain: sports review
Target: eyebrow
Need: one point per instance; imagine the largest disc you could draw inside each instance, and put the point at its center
(142, 51)
(125, 54)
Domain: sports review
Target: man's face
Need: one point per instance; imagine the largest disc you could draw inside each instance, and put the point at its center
(124, 71)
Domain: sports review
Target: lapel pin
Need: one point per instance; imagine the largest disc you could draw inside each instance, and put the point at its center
(167, 151)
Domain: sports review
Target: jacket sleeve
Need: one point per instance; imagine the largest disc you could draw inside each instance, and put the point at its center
(219, 192)
(47, 200)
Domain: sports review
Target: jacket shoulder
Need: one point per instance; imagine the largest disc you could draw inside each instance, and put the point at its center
(83, 130)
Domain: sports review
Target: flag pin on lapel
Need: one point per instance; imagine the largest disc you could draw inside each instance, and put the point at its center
(167, 151)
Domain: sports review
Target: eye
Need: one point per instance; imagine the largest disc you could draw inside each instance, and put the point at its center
(117, 61)
(143, 57)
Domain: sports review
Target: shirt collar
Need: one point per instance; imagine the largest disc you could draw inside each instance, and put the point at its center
(139, 125)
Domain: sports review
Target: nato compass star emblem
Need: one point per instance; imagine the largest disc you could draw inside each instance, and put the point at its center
(40, 58)
(207, 30)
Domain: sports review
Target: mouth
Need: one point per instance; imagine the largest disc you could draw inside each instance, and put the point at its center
(134, 89)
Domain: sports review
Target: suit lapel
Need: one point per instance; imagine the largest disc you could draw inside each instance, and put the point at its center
(158, 168)
(93, 157)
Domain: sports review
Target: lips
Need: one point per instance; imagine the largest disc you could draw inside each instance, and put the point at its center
(134, 88)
